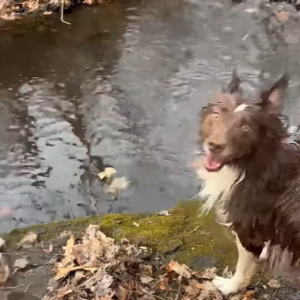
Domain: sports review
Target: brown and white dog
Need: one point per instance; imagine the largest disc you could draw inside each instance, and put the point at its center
(251, 176)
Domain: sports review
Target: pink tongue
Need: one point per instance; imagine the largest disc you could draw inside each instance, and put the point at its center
(211, 163)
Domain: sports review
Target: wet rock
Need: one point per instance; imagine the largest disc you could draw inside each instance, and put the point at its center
(21, 263)
(103, 88)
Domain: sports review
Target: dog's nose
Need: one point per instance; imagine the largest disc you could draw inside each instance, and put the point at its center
(215, 147)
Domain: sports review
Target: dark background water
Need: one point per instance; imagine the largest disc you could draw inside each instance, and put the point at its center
(125, 81)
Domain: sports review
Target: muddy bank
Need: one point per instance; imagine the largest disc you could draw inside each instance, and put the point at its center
(178, 235)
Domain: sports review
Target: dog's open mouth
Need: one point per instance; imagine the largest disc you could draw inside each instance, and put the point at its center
(212, 164)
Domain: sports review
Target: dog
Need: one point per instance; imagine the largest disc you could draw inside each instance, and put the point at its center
(251, 177)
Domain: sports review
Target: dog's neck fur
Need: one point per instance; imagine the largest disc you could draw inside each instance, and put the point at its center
(217, 188)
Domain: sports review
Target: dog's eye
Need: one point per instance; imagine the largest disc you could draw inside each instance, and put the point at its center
(245, 127)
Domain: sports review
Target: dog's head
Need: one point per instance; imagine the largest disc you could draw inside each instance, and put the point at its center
(232, 128)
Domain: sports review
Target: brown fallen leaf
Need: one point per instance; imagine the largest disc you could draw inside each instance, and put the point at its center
(209, 291)
(88, 253)
(61, 293)
(4, 270)
(106, 297)
(116, 185)
(49, 250)
(145, 279)
(108, 172)
(121, 293)
(29, 240)
(193, 288)
(248, 295)
(274, 283)
(181, 269)
(146, 269)
(68, 259)
(89, 2)
(63, 272)
(163, 284)
(208, 273)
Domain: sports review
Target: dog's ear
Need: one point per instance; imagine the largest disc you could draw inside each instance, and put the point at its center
(272, 99)
(234, 85)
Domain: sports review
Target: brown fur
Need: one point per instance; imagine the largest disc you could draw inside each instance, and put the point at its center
(265, 205)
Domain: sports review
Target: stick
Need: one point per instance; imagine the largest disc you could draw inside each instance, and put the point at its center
(62, 13)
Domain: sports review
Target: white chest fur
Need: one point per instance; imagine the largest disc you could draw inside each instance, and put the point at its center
(217, 188)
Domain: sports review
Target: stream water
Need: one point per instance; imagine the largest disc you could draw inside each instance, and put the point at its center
(124, 82)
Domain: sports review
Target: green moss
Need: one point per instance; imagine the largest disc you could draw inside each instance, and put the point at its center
(194, 240)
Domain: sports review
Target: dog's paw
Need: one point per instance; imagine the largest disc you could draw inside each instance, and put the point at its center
(226, 286)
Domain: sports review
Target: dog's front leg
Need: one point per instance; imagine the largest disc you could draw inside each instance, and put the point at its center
(245, 269)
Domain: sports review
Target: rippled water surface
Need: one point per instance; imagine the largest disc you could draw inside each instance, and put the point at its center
(124, 82)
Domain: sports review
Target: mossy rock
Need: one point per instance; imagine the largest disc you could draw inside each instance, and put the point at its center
(184, 235)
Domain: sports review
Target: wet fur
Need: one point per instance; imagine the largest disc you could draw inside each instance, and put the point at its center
(260, 200)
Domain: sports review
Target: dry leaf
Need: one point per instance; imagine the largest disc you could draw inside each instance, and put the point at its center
(193, 288)
(146, 279)
(274, 283)
(4, 270)
(116, 185)
(121, 293)
(21, 263)
(69, 246)
(88, 2)
(146, 269)
(209, 273)
(136, 224)
(248, 295)
(209, 291)
(2, 243)
(68, 259)
(164, 213)
(63, 272)
(29, 239)
(61, 293)
(108, 172)
(163, 285)
(106, 297)
(92, 231)
(182, 270)
(49, 250)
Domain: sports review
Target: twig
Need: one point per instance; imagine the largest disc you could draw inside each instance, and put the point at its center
(62, 13)
(193, 230)
(11, 287)
(28, 286)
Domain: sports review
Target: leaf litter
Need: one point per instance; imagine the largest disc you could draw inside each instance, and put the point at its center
(96, 267)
